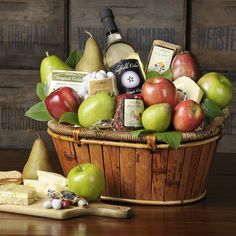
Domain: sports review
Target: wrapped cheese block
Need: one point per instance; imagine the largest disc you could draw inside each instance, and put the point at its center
(188, 89)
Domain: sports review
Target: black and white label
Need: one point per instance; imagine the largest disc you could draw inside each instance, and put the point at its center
(128, 75)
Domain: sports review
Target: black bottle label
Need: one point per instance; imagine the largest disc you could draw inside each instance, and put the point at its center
(129, 76)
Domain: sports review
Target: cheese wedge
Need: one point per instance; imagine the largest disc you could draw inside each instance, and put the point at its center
(17, 194)
(51, 178)
(42, 187)
(188, 89)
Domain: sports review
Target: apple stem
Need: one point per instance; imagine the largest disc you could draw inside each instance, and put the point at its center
(90, 35)
(35, 131)
(47, 54)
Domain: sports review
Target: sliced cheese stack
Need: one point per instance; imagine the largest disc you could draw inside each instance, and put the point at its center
(188, 89)
(17, 194)
(13, 176)
(47, 180)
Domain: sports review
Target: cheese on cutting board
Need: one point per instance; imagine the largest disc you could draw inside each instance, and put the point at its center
(10, 177)
(188, 89)
(17, 194)
(42, 187)
(51, 178)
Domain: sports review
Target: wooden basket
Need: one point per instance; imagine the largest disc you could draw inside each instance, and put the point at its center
(142, 169)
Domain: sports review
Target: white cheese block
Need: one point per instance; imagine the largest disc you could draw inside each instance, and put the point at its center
(42, 187)
(17, 194)
(51, 178)
(188, 89)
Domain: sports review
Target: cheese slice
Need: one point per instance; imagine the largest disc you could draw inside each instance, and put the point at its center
(10, 177)
(188, 89)
(17, 194)
(51, 178)
(43, 187)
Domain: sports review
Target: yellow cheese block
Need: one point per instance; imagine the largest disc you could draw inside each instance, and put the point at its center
(188, 89)
(43, 187)
(51, 178)
(17, 194)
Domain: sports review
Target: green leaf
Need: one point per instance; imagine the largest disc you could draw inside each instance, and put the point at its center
(138, 132)
(38, 112)
(168, 74)
(173, 138)
(40, 91)
(69, 117)
(210, 109)
(153, 74)
(73, 59)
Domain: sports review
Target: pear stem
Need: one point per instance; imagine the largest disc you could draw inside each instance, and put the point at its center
(35, 131)
(90, 35)
(47, 54)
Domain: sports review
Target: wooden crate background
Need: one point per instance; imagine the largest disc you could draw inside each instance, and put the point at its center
(28, 29)
(213, 33)
(139, 22)
(63, 23)
(17, 94)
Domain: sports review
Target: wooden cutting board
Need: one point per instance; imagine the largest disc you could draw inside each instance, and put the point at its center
(98, 209)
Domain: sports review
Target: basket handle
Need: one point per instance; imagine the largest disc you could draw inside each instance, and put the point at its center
(151, 141)
(76, 135)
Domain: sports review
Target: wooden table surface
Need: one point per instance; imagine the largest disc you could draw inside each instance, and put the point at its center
(215, 215)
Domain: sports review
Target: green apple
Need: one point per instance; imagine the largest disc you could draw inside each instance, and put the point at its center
(50, 63)
(100, 106)
(217, 87)
(157, 117)
(86, 180)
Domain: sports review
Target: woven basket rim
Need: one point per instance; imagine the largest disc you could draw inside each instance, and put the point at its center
(212, 129)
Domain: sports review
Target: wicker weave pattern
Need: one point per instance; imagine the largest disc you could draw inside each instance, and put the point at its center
(212, 129)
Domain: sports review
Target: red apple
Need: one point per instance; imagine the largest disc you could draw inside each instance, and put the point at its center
(159, 90)
(185, 64)
(187, 116)
(64, 99)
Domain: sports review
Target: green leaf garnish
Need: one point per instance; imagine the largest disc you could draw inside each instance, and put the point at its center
(173, 138)
(154, 74)
(210, 109)
(39, 112)
(69, 117)
(168, 74)
(73, 59)
(137, 133)
(40, 91)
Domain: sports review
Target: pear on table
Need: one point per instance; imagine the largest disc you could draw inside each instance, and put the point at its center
(39, 159)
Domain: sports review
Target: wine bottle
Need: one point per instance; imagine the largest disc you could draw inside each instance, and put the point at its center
(121, 58)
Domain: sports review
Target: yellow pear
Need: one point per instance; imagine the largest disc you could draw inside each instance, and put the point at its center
(39, 159)
(92, 59)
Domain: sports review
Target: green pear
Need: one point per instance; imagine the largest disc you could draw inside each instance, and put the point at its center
(50, 63)
(157, 117)
(100, 106)
(38, 160)
(92, 59)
